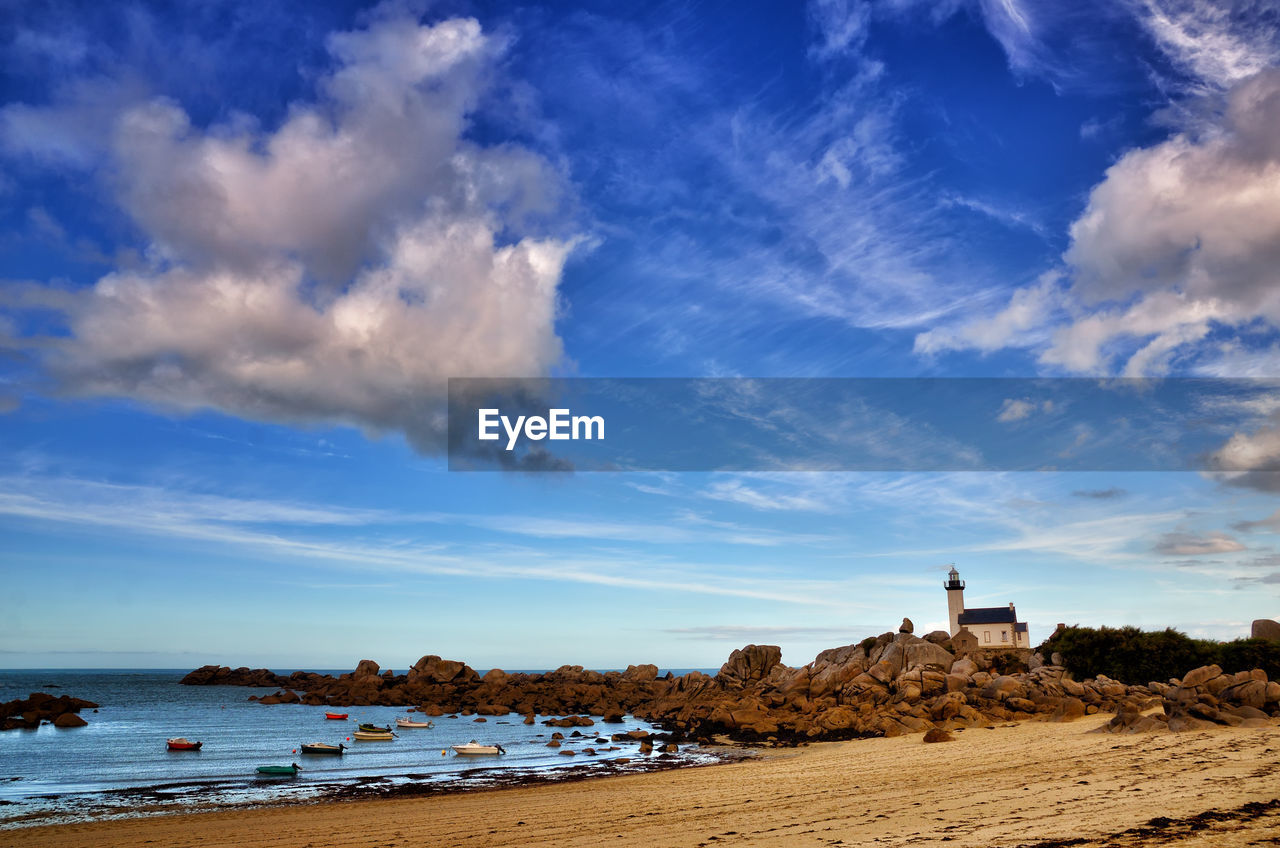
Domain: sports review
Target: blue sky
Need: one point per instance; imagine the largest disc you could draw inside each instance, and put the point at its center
(244, 246)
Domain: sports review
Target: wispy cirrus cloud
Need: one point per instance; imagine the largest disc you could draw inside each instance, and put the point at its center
(390, 542)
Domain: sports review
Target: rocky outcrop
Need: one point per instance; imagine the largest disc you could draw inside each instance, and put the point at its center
(1265, 628)
(889, 685)
(1205, 697)
(31, 712)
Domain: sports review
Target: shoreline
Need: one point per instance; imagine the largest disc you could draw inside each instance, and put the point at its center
(180, 798)
(1038, 785)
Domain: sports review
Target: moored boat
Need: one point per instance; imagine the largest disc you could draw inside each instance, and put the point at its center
(323, 748)
(290, 770)
(336, 716)
(408, 722)
(373, 728)
(473, 747)
(373, 735)
(181, 743)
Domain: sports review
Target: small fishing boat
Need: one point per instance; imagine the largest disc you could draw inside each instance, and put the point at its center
(290, 770)
(180, 743)
(408, 722)
(473, 747)
(373, 728)
(336, 716)
(373, 735)
(323, 748)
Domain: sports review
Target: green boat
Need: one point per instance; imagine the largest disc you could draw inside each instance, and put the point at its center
(373, 728)
(290, 770)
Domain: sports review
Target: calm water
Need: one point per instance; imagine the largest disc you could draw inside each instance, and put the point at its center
(119, 764)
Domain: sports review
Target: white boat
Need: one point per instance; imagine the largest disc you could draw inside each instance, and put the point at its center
(368, 736)
(473, 747)
(407, 722)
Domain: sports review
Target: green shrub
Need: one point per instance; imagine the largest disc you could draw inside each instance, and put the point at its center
(1136, 656)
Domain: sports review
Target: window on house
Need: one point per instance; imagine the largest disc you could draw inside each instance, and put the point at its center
(986, 635)
(1004, 635)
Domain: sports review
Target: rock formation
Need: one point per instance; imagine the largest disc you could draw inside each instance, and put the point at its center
(887, 685)
(29, 713)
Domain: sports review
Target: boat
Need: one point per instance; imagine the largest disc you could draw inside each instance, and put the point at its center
(180, 743)
(473, 747)
(408, 722)
(323, 748)
(373, 736)
(336, 716)
(290, 770)
(373, 728)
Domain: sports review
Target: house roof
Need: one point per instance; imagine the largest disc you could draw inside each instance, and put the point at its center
(987, 615)
(1021, 627)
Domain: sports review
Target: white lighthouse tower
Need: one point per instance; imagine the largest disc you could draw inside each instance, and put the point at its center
(955, 598)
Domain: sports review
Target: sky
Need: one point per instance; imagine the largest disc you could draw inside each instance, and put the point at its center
(244, 246)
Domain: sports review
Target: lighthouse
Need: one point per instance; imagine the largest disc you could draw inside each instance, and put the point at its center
(988, 627)
(955, 598)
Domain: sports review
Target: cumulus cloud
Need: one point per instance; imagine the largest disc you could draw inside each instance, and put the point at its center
(338, 267)
(1251, 460)
(1192, 544)
(1180, 239)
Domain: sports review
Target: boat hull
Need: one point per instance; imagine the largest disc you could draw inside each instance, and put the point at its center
(476, 750)
(336, 716)
(365, 736)
(279, 771)
(335, 750)
(183, 745)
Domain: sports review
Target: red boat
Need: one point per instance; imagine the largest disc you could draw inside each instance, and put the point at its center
(181, 744)
(336, 716)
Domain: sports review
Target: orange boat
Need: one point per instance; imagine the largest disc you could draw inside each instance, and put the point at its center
(336, 716)
(181, 744)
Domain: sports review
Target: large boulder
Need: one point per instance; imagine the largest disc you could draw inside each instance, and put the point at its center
(645, 673)
(1201, 676)
(69, 720)
(909, 652)
(1265, 628)
(749, 665)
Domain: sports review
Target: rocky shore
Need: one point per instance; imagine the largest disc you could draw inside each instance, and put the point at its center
(889, 685)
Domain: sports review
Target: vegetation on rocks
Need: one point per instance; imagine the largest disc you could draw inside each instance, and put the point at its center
(1139, 656)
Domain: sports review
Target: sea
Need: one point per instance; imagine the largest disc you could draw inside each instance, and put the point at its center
(119, 765)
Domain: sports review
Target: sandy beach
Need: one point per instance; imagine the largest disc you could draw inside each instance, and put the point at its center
(1034, 784)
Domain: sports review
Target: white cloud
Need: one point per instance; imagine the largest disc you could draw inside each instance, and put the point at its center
(1215, 44)
(1179, 239)
(1021, 323)
(1017, 409)
(337, 268)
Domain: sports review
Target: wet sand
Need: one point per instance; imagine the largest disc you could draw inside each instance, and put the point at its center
(1042, 785)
